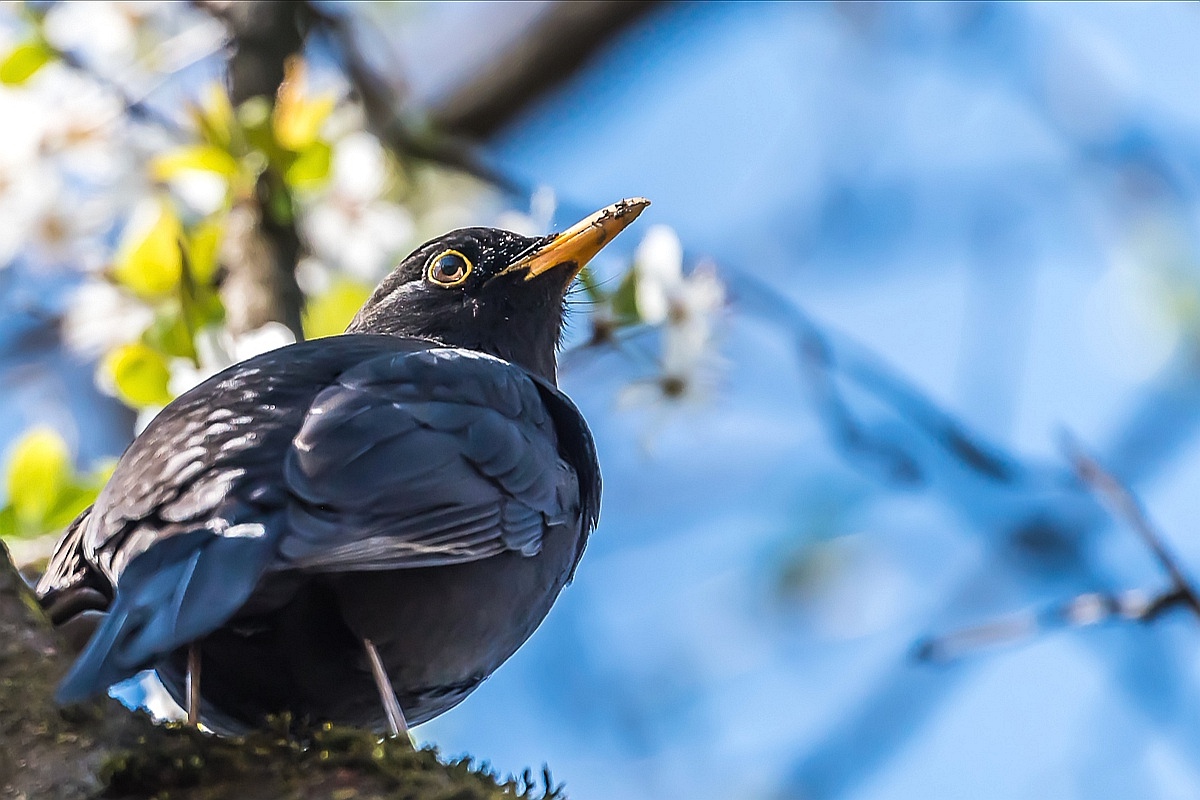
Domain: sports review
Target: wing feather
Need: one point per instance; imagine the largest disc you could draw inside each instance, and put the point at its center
(435, 457)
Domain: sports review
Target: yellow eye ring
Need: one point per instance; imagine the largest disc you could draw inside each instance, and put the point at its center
(448, 269)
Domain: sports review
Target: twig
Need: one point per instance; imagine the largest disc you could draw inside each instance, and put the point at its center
(1086, 609)
(1081, 611)
(138, 109)
(1122, 503)
(387, 120)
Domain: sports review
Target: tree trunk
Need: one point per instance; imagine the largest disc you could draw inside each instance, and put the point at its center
(261, 247)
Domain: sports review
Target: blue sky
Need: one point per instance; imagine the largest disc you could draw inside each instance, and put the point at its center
(984, 198)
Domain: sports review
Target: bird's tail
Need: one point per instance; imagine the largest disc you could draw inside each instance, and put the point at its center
(177, 591)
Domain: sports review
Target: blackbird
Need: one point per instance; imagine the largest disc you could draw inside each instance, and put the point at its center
(356, 529)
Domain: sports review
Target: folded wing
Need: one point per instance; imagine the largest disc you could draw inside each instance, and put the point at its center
(363, 453)
(425, 459)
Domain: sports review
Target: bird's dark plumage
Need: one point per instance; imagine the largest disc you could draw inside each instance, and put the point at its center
(418, 482)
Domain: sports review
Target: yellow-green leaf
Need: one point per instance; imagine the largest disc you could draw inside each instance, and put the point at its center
(297, 118)
(171, 336)
(591, 286)
(298, 124)
(280, 206)
(74, 499)
(38, 472)
(199, 157)
(9, 527)
(149, 261)
(140, 375)
(214, 116)
(255, 114)
(24, 61)
(310, 169)
(329, 314)
(624, 300)
(203, 246)
(199, 304)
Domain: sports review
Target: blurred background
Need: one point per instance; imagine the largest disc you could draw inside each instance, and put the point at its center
(896, 253)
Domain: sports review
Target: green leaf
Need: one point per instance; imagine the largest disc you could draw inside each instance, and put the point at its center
(255, 113)
(591, 286)
(329, 314)
(74, 498)
(140, 375)
(624, 300)
(199, 303)
(254, 116)
(214, 116)
(24, 61)
(9, 528)
(170, 334)
(279, 204)
(310, 169)
(38, 472)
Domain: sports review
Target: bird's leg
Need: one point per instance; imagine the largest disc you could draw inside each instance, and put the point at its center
(193, 684)
(391, 705)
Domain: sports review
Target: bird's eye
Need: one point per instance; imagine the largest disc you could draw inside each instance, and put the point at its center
(450, 268)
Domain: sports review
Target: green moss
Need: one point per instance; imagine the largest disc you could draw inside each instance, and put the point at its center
(329, 761)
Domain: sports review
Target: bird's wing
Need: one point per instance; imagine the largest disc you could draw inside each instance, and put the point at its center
(424, 459)
(367, 452)
(193, 514)
(212, 458)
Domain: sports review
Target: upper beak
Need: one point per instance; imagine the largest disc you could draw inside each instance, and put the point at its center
(576, 245)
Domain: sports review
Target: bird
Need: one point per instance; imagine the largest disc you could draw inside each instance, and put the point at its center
(357, 529)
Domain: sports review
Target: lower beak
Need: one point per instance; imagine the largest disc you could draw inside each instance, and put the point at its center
(575, 246)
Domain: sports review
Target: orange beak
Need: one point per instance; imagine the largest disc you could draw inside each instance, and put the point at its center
(578, 244)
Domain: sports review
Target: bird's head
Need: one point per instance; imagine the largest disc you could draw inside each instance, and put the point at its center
(492, 290)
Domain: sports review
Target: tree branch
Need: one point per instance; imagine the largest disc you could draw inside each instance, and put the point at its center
(557, 44)
(386, 118)
(1087, 609)
(53, 753)
(1122, 503)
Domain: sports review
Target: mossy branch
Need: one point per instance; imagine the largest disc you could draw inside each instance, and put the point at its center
(103, 749)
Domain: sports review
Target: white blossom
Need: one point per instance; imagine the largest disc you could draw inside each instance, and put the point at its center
(63, 171)
(688, 310)
(351, 225)
(101, 317)
(101, 32)
(199, 192)
(693, 308)
(81, 126)
(658, 266)
(535, 222)
(218, 348)
(313, 277)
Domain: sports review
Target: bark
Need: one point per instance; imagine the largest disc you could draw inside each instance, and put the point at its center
(261, 247)
(102, 749)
